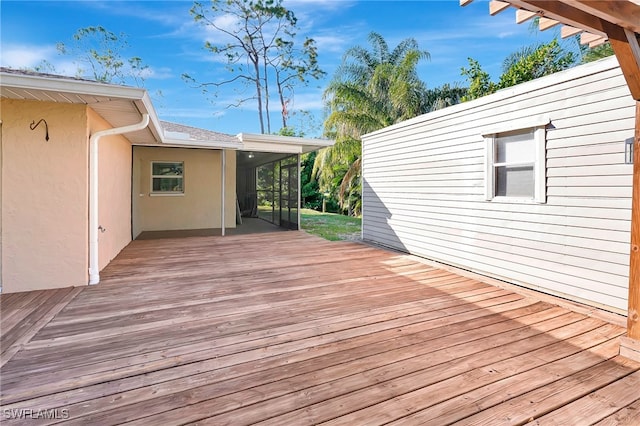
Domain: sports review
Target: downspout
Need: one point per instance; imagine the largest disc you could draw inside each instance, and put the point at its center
(94, 267)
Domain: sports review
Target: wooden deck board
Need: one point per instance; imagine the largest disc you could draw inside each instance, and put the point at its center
(287, 328)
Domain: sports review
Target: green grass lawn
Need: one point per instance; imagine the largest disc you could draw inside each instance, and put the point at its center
(330, 226)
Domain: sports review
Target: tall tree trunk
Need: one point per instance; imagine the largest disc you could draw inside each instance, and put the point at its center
(266, 95)
(256, 67)
(283, 101)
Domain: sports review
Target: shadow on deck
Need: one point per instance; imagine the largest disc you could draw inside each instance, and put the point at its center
(290, 329)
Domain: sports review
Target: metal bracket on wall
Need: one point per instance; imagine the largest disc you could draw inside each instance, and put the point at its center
(33, 126)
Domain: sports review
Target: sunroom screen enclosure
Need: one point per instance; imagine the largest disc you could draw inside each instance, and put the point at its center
(272, 187)
(277, 192)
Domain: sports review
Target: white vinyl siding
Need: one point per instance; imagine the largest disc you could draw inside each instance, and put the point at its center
(425, 187)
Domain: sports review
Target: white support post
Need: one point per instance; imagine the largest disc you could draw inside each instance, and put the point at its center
(299, 196)
(223, 161)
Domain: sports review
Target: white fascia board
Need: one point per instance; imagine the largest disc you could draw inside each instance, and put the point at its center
(276, 143)
(192, 143)
(271, 147)
(31, 82)
(146, 106)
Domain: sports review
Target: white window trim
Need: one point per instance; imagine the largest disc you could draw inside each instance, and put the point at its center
(539, 168)
(153, 193)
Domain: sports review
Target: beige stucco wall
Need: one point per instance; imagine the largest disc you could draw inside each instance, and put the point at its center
(114, 196)
(44, 196)
(199, 206)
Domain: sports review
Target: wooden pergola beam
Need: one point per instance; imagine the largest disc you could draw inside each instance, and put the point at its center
(630, 345)
(563, 12)
(622, 13)
(627, 49)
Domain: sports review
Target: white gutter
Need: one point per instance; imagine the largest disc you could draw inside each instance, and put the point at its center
(94, 267)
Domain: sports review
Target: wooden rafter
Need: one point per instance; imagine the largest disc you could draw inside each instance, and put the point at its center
(564, 13)
(496, 6)
(586, 38)
(546, 23)
(567, 31)
(524, 15)
(598, 42)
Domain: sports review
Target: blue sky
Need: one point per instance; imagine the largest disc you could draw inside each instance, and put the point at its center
(167, 39)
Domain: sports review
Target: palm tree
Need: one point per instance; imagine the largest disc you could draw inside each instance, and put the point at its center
(371, 89)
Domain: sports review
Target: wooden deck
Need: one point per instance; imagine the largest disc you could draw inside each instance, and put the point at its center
(289, 329)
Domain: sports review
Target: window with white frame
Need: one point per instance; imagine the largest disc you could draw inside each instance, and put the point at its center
(515, 165)
(167, 178)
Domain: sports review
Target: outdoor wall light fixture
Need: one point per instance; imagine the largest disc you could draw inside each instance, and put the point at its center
(251, 155)
(33, 126)
(628, 151)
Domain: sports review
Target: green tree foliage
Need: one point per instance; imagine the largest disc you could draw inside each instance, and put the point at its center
(598, 52)
(531, 63)
(480, 83)
(445, 96)
(526, 64)
(259, 52)
(310, 190)
(99, 56)
(373, 88)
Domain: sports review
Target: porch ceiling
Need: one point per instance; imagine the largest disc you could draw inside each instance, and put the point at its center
(288, 328)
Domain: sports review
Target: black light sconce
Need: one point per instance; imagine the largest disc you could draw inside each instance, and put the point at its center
(628, 151)
(33, 126)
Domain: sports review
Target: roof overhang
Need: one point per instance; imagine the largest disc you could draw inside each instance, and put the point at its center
(283, 144)
(180, 139)
(123, 105)
(118, 105)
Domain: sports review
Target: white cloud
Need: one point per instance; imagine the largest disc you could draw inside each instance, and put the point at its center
(331, 43)
(226, 22)
(26, 56)
(309, 101)
(163, 73)
(162, 15)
